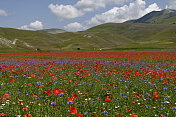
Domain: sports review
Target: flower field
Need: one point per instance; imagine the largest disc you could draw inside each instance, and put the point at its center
(88, 84)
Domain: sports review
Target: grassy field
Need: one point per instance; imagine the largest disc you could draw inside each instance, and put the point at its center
(88, 84)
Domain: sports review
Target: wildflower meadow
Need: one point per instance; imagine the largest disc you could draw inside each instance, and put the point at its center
(88, 84)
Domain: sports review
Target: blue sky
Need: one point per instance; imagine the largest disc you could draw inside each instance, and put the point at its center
(74, 15)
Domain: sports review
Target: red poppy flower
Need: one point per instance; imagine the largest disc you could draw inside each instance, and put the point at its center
(73, 110)
(112, 85)
(29, 84)
(75, 96)
(138, 95)
(55, 107)
(25, 108)
(35, 95)
(66, 90)
(1, 98)
(2, 114)
(7, 96)
(48, 92)
(87, 93)
(108, 100)
(28, 115)
(79, 115)
(133, 115)
(102, 110)
(156, 95)
(70, 98)
(56, 91)
(119, 115)
(11, 81)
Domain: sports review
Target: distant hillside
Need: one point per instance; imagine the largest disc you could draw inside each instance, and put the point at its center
(17, 40)
(142, 35)
(25, 40)
(156, 31)
(53, 31)
(167, 16)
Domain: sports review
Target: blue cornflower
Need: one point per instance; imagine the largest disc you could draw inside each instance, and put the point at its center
(93, 101)
(53, 103)
(147, 106)
(86, 113)
(43, 101)
(165, 88)
(61, 94)
(70, 102)
(105, 112)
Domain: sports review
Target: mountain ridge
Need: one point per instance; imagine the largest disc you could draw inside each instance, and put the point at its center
(157, 17)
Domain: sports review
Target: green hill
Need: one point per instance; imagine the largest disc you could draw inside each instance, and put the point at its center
(143, 36)
(156, 32)
(166, 16)
(111, 36)
(35, 39)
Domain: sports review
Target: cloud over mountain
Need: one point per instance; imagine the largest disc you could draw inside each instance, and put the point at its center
(74, 27)
(37, 25)
(134, 10)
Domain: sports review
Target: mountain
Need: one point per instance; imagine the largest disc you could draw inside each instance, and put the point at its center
(53, 31)
(154, 31)
(15, 40)
(166, 16)
(143, 36)
(111, 36)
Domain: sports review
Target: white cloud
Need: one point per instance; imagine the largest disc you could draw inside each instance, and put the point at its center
(172, 4)
(37, 25)
(80, 8)
(3, 13)
(91, 5)
(65, 11)
(74, 27)
(135, 10)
